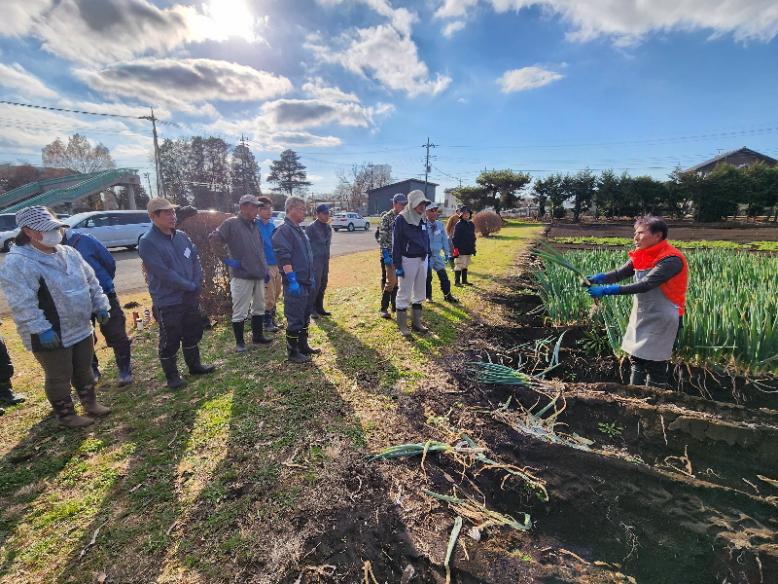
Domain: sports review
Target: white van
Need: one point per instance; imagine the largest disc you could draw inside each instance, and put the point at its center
(112, 228)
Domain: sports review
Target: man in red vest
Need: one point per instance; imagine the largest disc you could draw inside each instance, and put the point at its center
(661, 276)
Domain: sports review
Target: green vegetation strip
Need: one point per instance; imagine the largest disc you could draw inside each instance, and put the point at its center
(702, 244)
(731, 313)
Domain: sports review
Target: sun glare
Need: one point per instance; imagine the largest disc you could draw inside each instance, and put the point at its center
(230, 19)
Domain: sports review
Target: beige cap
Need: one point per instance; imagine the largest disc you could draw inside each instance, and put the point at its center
(159, 204)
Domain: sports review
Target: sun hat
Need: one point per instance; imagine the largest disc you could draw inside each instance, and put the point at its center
(38, 218)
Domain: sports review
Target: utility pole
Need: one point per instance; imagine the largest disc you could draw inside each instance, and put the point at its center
(427, 167)
(157, 164)
(148, 179)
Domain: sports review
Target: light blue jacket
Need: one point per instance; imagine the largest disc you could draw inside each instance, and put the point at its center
(438, 243)
(46, 291)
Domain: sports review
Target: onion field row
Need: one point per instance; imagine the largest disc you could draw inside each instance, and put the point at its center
(731, 312)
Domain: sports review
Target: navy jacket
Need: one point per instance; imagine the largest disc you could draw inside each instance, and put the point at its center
(97, 256)
(173, 266)
(464, 237)
(320, 236)
(410, 241)
(291, 246)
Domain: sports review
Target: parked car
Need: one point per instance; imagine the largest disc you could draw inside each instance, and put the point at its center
(112, 228)
(278, 218)
(350, 221)
(8, 230)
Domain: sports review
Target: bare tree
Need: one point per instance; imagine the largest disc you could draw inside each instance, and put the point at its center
(78, 155)
(352, 187)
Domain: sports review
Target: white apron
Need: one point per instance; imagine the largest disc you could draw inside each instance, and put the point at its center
(653, 324)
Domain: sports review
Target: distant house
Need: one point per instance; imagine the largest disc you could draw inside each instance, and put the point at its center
(380, 198)
(741, 158)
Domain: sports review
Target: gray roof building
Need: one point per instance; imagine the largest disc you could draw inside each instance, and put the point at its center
(379, 199)
(740, 158)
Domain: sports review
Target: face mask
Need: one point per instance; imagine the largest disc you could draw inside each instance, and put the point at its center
(51, 238)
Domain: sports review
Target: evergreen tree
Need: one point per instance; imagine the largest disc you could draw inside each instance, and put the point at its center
(288, 173)
(245, 172)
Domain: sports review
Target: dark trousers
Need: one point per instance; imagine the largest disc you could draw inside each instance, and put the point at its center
(179, 324)
(321, 267)
(115, 330)
(6, 366)
(298, 309)
(445, 283)
(65, 366)
(646, 372)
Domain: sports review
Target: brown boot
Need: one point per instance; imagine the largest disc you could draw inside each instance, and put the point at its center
(66, 414)
(89, 400)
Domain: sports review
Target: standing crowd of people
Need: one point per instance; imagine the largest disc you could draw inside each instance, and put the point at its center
(59, 284)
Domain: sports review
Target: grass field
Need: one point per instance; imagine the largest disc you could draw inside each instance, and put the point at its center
(201, 484)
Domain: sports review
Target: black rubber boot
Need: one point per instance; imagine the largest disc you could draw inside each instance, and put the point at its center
(637, 374)
(457, 278)
(451, 299)
(257, 336)
(293, 349)
(7, 395)
(192, 358)
(386, 297)
(170, 367)
(657, 374)
(240, 341)
(464, 279)
(305, 348)
(2, 412)
(268, 323)
(124, 365)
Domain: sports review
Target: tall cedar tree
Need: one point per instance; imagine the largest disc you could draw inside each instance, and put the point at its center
(245, 173)
(288, 173)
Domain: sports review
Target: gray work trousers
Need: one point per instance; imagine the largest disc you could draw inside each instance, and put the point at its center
(298, 309)
(64, 367)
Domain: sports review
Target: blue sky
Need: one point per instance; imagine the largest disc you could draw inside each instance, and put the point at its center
(538, 85)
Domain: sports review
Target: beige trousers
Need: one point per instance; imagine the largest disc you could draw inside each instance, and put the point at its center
(461, 262)
(247, 295)
(273, 288)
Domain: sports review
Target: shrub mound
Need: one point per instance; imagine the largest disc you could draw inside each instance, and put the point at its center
(487, 222)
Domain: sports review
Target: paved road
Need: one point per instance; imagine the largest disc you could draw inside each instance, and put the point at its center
(129, 277)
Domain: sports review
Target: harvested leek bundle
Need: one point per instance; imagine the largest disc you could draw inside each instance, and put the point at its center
(496, 374)
(480, 515)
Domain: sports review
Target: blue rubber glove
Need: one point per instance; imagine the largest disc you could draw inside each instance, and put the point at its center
(294, 285)
(607, 290)
(50, 339)
(103, 316)
(400, 273)
(596, 278)
(387, 258)
(234, 264)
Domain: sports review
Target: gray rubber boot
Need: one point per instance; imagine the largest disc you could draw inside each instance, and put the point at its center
(402, 322)
(123, 364)
(416, 320)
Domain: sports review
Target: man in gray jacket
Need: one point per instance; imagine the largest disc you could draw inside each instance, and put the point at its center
(175, 279)
(248, 269)
(320, 235)
(293, 251)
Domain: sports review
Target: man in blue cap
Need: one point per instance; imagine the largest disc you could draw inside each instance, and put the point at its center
(388, 274)
(320, 235)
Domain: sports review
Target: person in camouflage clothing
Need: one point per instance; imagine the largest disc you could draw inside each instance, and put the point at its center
(388, 275)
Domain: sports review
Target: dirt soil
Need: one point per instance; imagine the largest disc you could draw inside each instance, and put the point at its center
(644, 485)
(738, 232)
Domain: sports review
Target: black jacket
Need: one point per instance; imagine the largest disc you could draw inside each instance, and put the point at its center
(291, 246)
(410, 241)
(464, 237)
(320, 236)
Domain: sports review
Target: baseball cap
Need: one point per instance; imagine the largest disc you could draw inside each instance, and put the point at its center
(38, 218)
(323, 208)
(432, 206)
(159, 204)
(249, 200)
(400, 198)
(465, 209)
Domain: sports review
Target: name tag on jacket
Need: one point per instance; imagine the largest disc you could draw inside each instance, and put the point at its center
(187, 252)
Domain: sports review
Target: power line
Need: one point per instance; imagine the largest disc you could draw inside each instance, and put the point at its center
(83, 112)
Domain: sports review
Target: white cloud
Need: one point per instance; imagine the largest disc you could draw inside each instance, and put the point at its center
(401, 18)
(452, 28)
(305, 113)
(23, 83)
(526, 78)
(317, 87)
(454, 8)
(180, 83)
(105, 31)
(627, 21)
(383, 54)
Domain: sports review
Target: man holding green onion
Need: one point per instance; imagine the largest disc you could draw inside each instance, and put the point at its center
(661, 276)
